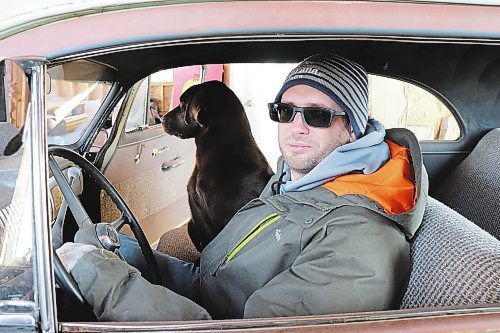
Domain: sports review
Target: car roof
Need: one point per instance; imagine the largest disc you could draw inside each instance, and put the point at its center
(78, 28)
(20, 16)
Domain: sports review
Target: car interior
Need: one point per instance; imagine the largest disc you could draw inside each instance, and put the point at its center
(455, 253)
(458, 240)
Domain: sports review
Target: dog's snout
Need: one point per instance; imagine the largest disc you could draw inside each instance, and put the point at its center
(173, 123)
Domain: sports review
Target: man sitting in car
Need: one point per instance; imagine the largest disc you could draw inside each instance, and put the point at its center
(329, 234)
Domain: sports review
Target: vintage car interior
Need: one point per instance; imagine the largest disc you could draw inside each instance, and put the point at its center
(445, 236)
(115, 164)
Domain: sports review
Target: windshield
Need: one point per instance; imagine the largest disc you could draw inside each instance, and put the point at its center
(16, 231)
(16, 205)
(76, 92)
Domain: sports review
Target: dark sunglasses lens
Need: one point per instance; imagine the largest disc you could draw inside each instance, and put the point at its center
(280, 113)
(273, 111)
(316, 117)
(285, 113)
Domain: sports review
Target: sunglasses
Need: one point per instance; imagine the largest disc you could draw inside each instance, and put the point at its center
(313, 116)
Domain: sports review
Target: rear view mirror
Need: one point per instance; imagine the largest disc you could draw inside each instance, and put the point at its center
(14, 100)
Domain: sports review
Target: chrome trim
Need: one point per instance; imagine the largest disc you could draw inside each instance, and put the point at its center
(11, 315)
(307, 323)
(42, 259)
(16, 321)
(133, 143)
(18, 304)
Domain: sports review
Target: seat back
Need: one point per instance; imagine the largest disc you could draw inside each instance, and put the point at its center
(472, 188)
(454, 262)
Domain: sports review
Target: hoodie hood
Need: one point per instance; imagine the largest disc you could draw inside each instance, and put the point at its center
(365, 155)
(398, 190)
(402, 176)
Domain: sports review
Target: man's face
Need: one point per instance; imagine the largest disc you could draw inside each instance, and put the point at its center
(302, 146)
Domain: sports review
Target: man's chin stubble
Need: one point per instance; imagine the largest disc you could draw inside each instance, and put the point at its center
(301, 166)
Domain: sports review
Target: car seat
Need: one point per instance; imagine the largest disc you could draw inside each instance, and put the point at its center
(454, 262)
(473, 187)
(177, 243)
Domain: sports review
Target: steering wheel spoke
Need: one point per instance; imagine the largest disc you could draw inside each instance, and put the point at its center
(75, 206)
(57, 227)
(120, 223)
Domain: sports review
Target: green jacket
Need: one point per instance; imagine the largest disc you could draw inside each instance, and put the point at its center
(299, 253)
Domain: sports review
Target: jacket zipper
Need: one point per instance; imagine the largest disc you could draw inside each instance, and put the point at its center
(263, 224)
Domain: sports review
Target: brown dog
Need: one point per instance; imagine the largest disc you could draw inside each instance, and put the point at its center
(230, 169)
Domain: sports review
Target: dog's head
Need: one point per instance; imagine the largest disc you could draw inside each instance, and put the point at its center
(199, 106)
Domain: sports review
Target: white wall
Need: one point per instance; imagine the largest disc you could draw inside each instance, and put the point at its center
(256, 85)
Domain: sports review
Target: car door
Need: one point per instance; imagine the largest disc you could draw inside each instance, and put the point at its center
(148, 167)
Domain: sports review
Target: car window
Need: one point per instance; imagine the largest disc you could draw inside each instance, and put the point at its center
(138, 110)
(76, 90)
(160, 92)
(16, 232)
(397, 103)
(393, 102)
(16, 203)
(148, 105)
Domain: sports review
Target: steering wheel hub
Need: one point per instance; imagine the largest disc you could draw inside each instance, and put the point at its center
(108, 236)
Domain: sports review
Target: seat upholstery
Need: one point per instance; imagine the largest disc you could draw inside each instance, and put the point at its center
(454, 262)
(473, 187)
(177, 243)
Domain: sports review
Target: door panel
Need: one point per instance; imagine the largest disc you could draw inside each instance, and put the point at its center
(150, 169)
(151, 175)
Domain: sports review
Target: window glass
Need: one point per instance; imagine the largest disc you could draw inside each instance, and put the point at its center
(256, 85)
(160, 95)
(137, 116)
(396, 103)
(16, 195)
(153, 97)
(76, 92)
(393, 102)
(160, 92)
(16, 230)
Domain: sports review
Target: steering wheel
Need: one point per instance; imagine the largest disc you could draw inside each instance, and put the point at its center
(103, 235)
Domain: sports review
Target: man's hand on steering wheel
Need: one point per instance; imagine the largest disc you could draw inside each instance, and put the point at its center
(69, 253)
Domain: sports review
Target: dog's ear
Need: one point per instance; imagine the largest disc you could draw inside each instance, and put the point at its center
(196, 115)
(202, 117)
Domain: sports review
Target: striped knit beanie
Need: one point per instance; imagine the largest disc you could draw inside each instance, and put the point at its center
(342, 80)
